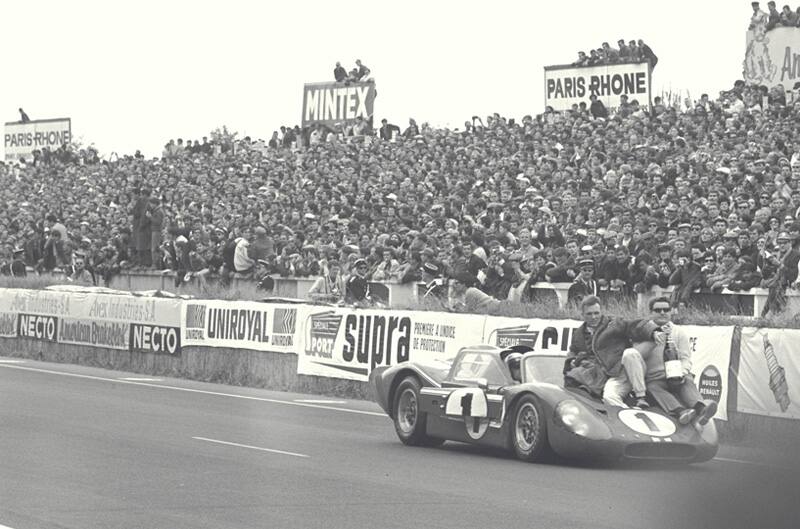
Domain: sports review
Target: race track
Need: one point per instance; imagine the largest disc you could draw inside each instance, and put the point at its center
(81, 448)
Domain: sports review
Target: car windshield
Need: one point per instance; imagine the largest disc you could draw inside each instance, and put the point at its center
(544, 369)
(473, 366)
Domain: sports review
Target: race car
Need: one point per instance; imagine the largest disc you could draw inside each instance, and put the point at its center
(515, 399)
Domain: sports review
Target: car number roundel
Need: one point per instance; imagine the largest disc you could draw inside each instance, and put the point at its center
(647, 422)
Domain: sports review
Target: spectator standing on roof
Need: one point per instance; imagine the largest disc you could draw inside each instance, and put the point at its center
(647, 53)
(23, 117)
(362, 72)
(339, 73)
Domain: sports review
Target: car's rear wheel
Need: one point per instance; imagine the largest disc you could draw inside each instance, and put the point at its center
(529, 430)
(409, 420)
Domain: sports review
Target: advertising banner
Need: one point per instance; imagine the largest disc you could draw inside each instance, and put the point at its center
(553, 336)
(565, 86)
(87, 318)
(21, 139)
(337, 103)
(773, 57)
(8, 325)
(711, 359)
(769, 373)
(241, 325)
(350, 343)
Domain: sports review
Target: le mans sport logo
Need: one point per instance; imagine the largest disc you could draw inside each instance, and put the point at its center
(543, 339)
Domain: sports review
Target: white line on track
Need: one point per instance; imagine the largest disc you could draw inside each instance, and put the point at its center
(743, 462)
(192, 390)
(319, 401)
(5, 361)
(140, 379)
(271, 450)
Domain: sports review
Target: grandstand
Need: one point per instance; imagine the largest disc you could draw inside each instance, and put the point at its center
(700, 195)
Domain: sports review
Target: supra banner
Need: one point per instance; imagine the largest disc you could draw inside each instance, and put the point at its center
(87, 318)
(334, 103)
(349, 343)
(773, 57)
(769, 373)
(240, 325)
(565, 86)
(21, 139)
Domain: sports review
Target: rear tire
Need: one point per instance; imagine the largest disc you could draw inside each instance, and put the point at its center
(409, 421)
(529, 430)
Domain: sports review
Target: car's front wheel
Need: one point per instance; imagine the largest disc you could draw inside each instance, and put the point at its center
(409, 420)
(529, 430)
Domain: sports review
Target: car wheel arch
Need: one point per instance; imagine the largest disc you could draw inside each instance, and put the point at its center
(396, 380)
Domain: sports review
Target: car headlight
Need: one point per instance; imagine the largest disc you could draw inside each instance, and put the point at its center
(577, 419)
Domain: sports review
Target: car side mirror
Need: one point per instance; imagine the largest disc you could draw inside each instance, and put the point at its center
(483, 384)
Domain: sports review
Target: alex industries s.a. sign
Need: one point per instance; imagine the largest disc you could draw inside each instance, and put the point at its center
(565, 86)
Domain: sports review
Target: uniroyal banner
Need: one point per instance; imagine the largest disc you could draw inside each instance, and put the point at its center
(553, 336)
(773, 57)
(769, 373)
(21, 139)
(88, 318)
(565, 86)
(350, 343)
(241, 325)
(337, 103)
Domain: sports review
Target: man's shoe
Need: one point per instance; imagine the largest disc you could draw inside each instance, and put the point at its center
(687, 415)
(641, 403)
(708, 411)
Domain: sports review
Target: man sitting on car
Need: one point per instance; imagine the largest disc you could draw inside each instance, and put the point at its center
(601, 356)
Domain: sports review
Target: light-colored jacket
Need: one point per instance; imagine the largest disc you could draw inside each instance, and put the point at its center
(241, 260)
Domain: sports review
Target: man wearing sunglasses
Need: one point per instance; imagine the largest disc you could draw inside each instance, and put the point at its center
(680, 399)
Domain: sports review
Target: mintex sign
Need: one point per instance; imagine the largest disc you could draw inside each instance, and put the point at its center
(21, 139)
(337, 103)
(565, 86)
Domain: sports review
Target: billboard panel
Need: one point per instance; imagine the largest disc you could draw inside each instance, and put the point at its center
(773, 57)
(21, 139)
(565, 86)
(334, 103)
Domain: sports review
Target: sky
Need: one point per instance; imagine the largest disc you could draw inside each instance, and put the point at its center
(132, 75)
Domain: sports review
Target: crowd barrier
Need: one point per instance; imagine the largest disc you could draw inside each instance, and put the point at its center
(746, 369)
(745, 303)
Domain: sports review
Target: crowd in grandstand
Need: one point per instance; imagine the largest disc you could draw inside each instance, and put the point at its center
(703, 196)
(635, 51)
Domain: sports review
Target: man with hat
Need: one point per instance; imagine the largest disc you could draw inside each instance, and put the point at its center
(357, 286)
(435, 285)
(584, 285)
(465, 297)
(17, 266)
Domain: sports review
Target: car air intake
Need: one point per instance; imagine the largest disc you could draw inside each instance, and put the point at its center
(660, 451)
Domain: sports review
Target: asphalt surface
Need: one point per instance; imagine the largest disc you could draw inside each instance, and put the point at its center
(80, 448)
